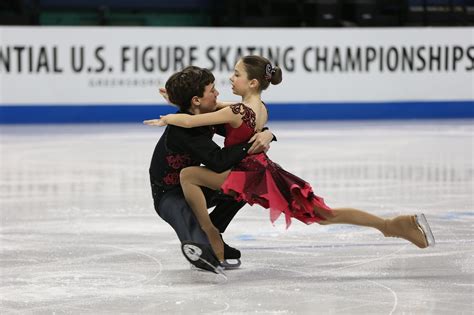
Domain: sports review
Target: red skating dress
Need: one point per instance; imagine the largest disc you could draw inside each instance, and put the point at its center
(258, 180)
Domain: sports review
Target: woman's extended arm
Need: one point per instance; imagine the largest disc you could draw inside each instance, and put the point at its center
(190, 121)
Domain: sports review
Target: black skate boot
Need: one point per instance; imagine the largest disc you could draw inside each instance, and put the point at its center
(231, 257)
(202, 257)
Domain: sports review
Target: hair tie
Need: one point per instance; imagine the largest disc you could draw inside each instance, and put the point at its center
(269, 71)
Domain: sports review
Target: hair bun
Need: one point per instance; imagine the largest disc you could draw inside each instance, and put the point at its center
(276, 75)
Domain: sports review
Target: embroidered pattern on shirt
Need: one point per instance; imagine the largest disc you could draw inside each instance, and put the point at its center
(171, 179)
(248, 115)
(178, 161)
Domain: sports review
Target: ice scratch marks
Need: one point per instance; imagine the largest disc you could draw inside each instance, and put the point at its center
(395, 297)
(143, 254)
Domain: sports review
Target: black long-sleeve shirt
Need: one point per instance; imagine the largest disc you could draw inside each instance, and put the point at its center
(182, 147)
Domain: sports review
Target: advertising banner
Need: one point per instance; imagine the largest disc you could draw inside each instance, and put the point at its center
(103, 66)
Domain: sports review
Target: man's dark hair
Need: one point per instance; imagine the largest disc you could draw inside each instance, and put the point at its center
(184, 85)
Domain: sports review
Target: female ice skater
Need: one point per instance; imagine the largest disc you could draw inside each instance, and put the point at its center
(257, 179)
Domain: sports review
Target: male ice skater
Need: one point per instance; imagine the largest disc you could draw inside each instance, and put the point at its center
(193, 91)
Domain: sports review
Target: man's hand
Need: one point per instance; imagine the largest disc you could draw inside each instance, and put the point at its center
(261, 142)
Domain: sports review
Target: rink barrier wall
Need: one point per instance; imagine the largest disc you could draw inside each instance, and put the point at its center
(126, 65)
(129, 113)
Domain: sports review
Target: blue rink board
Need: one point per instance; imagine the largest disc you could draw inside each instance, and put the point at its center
(14, 114)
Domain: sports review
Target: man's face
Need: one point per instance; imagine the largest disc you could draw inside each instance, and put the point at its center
(209, 98)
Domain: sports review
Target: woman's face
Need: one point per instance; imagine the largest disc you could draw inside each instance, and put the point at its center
(239, 80)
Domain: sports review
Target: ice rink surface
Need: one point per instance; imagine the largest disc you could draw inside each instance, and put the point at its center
(79, 234)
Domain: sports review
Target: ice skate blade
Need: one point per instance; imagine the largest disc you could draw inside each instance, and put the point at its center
(216, 269)
(203, 275)
(425, 227)
(231, 264)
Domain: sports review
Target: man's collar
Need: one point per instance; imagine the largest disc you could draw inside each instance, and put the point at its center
(184, 112)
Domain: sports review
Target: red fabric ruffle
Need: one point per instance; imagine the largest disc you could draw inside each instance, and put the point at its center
(258, 180)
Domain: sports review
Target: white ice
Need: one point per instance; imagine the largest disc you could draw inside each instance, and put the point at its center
(79, 233)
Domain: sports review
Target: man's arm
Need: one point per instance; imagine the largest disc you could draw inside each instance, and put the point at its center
(220, 130)
(202, 149)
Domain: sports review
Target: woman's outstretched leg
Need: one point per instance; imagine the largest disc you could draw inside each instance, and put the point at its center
(192, 178)
(405, 226)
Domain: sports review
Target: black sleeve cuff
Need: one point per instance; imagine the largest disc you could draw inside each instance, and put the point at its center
(274, 137)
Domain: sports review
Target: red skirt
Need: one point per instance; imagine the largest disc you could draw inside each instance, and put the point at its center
(258, 180)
